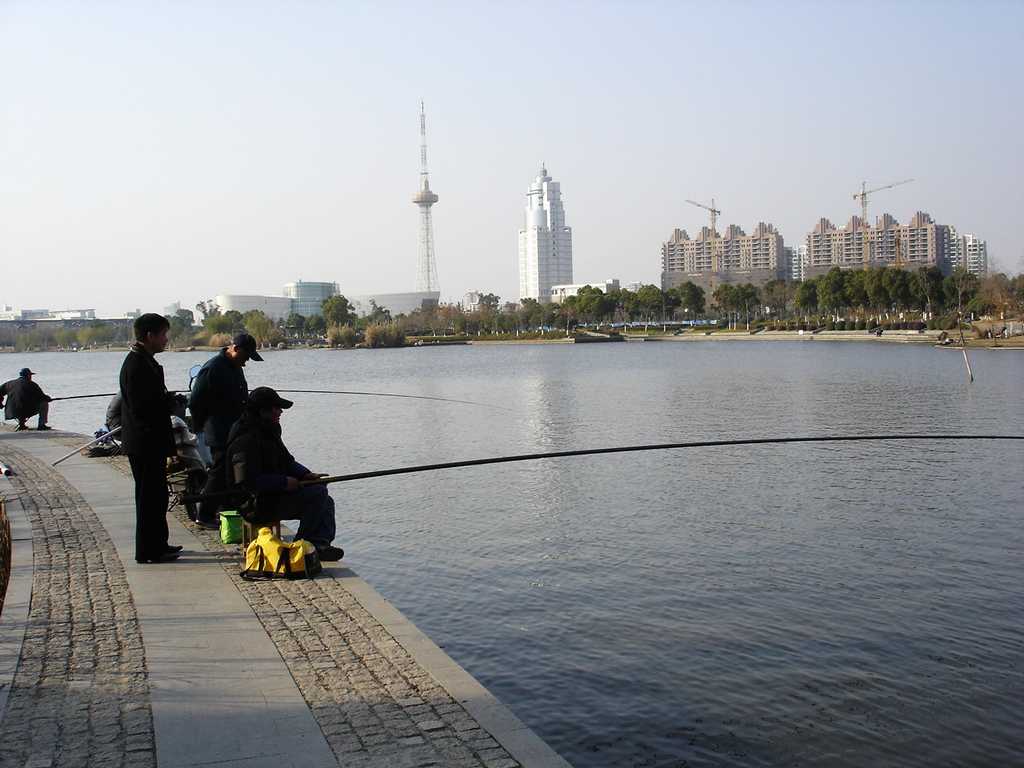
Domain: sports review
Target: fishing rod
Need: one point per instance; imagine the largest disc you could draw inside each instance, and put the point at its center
(619, 449)
(329, 392)
(81, 397)
(99, 439)
(388, 394)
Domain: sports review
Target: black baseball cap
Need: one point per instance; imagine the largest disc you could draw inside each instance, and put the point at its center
(26, 372)
(247, 344)
(265, 397)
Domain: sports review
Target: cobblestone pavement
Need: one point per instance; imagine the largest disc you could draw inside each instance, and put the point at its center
(374, 703)
(376, 706)
(80, 696)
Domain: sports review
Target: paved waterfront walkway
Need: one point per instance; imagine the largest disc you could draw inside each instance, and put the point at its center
(109, 663)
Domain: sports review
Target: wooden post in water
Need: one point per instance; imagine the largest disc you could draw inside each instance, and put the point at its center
(963, 346)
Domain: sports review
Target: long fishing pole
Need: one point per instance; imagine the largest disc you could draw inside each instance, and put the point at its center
(81, 397)
(99, 439)
(619, 449)
(330, 392)
(388, 394)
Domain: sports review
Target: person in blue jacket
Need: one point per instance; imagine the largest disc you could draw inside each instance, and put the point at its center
(217, 402)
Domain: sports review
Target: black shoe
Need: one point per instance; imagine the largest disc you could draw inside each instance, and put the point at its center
(20, 428)
(210, 525)
(173, 548)
(330, 554)
(166, 557)
(43, 428)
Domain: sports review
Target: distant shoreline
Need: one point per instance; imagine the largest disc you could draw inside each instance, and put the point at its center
(930, 338)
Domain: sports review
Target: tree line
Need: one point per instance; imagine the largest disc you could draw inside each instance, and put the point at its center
(864, 296)
(96, 333)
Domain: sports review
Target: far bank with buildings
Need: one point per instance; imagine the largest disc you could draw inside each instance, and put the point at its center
(711, 259)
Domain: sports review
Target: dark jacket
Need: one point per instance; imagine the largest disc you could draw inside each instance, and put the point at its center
(258, 463)
(145, 406)
(218, 399)
(23, 397)
(113, 417)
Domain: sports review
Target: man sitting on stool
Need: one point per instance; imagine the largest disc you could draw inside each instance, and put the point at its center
(258, 463)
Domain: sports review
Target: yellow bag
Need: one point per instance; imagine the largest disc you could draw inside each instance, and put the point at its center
(269, 557)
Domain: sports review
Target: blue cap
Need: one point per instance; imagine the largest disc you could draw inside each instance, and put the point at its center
(25, 372)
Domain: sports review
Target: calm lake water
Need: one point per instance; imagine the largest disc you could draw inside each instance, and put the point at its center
(825, 605)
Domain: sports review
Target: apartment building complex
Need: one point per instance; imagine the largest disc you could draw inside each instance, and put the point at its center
(920, 243)
(711, 259)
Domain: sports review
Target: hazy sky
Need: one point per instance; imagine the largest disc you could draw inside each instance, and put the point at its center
(153, 152)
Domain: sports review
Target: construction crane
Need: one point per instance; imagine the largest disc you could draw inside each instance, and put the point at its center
(714, 211)
(863, 196)
(865, 226)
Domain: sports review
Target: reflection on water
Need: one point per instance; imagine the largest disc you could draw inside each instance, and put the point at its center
(825, 604)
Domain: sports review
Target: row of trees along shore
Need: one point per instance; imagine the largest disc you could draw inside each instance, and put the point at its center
(853, 299)
(94, 334)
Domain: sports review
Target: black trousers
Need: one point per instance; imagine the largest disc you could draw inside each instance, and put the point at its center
(216, 481)
(150, 473)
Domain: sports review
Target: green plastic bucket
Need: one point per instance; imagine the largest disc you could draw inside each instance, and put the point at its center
(230, 527)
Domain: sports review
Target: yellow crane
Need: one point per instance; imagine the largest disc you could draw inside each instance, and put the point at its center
(863, 197)
(714, 212)
(711, 244)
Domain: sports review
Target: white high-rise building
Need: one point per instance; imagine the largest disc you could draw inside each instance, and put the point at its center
(968, 251)
(797, 262)
(976, 255)
(545, 243)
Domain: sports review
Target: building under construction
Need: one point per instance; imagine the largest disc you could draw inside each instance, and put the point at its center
(712, 259)
(921, 243)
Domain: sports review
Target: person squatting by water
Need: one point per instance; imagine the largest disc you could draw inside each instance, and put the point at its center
(217, 402)
(259, 464)
(146, 437)
(25, 399)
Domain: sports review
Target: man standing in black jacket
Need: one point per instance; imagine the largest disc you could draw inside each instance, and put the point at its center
(218, 401)
(24, 400)
(147, 437)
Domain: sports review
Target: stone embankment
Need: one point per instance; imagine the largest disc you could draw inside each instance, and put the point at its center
(887, 337)
(105, 662)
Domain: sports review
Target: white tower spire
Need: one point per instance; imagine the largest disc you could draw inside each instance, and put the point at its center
(426, 279)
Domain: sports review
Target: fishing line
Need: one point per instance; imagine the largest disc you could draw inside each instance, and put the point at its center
(619, 449)
(389, 394)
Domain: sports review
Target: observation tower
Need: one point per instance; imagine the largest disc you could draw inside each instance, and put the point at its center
(426, 278)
